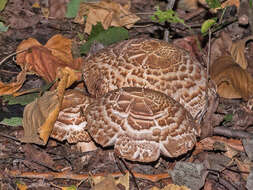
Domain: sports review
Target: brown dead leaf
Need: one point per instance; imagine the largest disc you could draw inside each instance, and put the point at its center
(244, 167)
(57, 9)
(38, 155)
(229, 3)
(107, 182)
(109, 13)
(60, 47)
(44, 60)
(171, 187)
(237, 52)
(40, 115)
(231, 80)
(10, 88)
(221, 46)
(188, 4)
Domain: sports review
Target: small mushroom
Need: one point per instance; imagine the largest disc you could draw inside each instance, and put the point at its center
(141, 124)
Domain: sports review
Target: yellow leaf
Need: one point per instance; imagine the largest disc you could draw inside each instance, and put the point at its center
(21, 186)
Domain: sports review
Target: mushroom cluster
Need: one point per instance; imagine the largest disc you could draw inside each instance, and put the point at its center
(146, 97)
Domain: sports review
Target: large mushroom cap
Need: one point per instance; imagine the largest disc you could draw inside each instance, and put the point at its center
(142, 124)
(148, 63)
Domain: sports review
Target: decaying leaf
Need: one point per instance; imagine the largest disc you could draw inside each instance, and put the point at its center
(44, 61)
(231, 80)
(40, 115)
(60, 48)
(171, 187)
(10, 88)
(221, 46)
(244, 167)
(109, 182)
(188, 4)
(237, 52)
(109, 13)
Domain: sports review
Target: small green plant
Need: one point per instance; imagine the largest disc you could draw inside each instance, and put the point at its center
(169, 16)
(213, 4)
(3, 28)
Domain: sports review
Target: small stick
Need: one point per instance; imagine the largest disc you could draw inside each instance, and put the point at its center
(66, 175)
(1, 62)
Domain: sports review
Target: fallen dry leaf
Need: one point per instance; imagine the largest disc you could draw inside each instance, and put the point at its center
(244, 167)
(61, 48)
(188, 4)
(171, 187)
(40, 115)
(221, 46)
(237, 52)
(10, 88)
(109, 13)
(231, 80)
(44, 60)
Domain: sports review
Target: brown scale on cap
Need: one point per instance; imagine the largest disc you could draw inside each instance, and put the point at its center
(141, 124)
(151, 64)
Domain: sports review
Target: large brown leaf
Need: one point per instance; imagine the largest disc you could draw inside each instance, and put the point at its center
(43, 61)
(40, 116)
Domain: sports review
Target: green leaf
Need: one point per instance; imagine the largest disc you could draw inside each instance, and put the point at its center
(96, 29)
(207, 25)
(22, 100)
(72, 8)
(72, 187)
(3, 28)
(169, 16)
(213, 4)
(228, 118)
(13, 121)
(106, 37)
(3, 4)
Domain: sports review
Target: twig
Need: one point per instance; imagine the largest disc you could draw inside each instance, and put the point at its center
(1, 62)
(10, 137)
(170, 5)
(227, 132)
(66, 175)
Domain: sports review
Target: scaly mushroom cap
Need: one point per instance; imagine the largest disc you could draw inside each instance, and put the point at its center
(71, 122)
(142, 124)
(151, 64)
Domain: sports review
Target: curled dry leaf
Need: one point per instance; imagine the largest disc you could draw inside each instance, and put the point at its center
(10, 88)
(237, 52)
(231, 80)
(109, 13)
(40, 115)
(44, 60)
